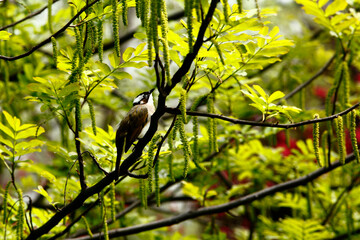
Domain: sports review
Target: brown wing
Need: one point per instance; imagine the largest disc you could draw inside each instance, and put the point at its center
(131, 126)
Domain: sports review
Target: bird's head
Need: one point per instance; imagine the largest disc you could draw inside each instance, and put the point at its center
(144, 98)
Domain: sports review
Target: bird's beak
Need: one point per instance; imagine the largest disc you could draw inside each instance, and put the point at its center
(151, 90)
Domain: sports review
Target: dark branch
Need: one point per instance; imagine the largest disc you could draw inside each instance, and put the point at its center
(27, 17)
(48, 40)
(223, 207)
(261, 124)
(303, 85)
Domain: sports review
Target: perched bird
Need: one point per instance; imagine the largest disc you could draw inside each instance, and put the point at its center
(134, 125)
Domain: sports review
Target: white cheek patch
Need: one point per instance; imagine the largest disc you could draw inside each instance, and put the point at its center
(138, 99)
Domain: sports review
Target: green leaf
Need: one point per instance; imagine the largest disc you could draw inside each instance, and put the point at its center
(128, 53)
(335, 6)
(114, 60)
(38, 169)
(4, 35)
(261, 92)
(139, 48)
(12, 121)
(42, 192)
(121, 75)
(7, 131)
(134, 64)
(30, 132)
(276, 95)
(72, 87)
(174, 56)
(103, 67)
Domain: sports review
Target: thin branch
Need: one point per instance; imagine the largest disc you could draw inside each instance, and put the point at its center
(192, 55)
(223, 207)
(303, 85)
(48, 40)
(27, 17)
(136, 154)
(261, 124)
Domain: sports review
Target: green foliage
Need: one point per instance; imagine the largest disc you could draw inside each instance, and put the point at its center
(60, 103)
(265, 103)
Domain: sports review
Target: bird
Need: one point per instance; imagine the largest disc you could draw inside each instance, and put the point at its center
(134, 125)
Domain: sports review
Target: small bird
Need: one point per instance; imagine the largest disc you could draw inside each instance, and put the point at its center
(134, 125)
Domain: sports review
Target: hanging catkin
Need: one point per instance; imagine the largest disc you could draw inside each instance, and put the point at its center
(182, 107)
(53, 42)
(346, 85)
(115, 25)
(92, 116)
(189, 18)
(5, 201)
(171, 156)
(20, 216)
(316, 140)
(354, 142)
(226, 7)
(324, 146)
(186, 148)
(164, 39)
(50, 2)
(150, 159)
(103, 215)
(112, 201)
(340, 138)
(124, 12)
(157, 183)
(100, 34)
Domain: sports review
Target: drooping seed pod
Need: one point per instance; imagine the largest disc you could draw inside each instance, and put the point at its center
(20, 216)
(78, 115)
(50, 3)
(112, 201)
(100, 40)
(346, 86)
(5, 201)
(87, 227)
(226, 10)
(354, 142)
(185, 143)
(182, 107)
(157, 183)
(124, 12)
(143, 192)
(115, 25)
(189, 18)
(316, 140)
(239, 2)
(55, 51)
(150, 159)
(340, 138)
(324, 146)
(92, 116)
(103, 215)
(171, 156)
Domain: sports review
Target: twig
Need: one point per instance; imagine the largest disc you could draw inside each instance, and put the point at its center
(261, 124)
(303, 85)
(128, 162)
(223, 207)
(39, 45)
(27, 17)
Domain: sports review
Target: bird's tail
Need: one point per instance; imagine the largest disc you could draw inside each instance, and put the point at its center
(120, 146)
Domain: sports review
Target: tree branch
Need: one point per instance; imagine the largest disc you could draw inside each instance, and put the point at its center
(36, 47)
(261, 124)
(303, 85)
(223, 207)
(27, 17)
(136, 154)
